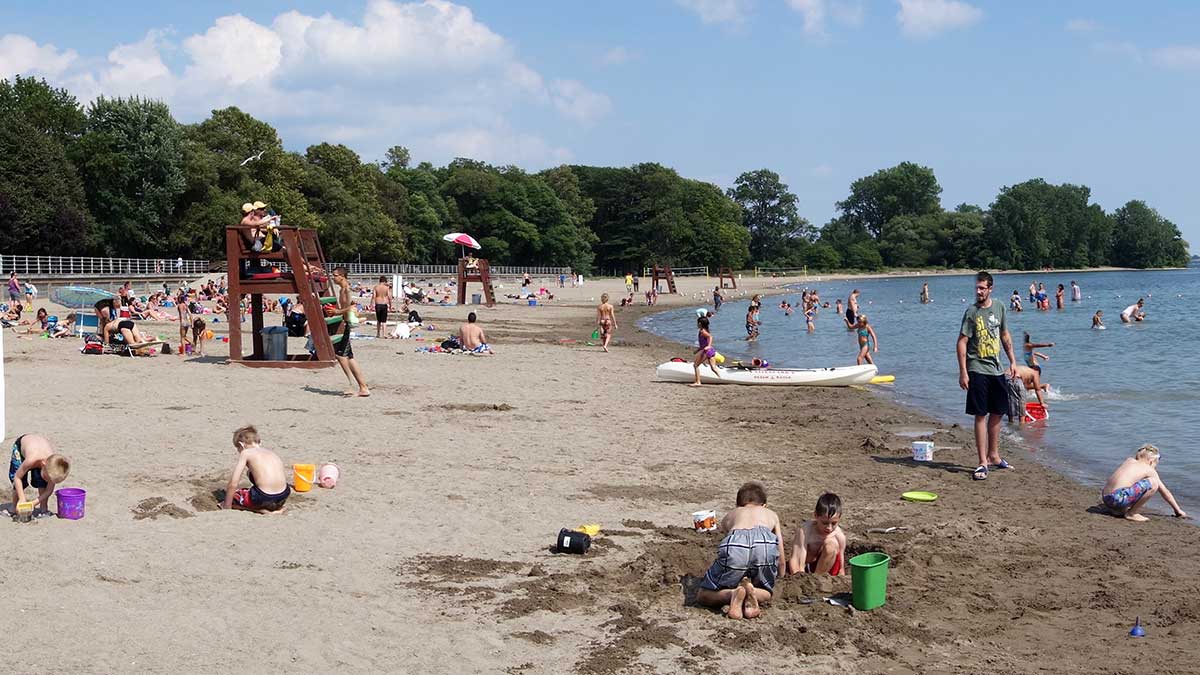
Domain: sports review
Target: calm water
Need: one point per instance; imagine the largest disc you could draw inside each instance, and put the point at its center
(1112, 390)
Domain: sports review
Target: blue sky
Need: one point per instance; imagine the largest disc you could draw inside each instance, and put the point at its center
(822, 91)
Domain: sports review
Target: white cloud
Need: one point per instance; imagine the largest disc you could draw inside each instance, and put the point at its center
(1177, 57)
(616, 56)
(499, 146)
(1118, 47)
(1082, 26)
(927, 18)
(578, 102)
(718, 11)
(20, 55)
(816, 13)
(427, 74)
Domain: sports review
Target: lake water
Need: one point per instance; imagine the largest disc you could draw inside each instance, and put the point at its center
(1112, 390)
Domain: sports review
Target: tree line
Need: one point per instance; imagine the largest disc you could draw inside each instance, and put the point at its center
(122, 177)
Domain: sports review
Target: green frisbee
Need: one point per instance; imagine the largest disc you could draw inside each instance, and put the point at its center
(919, 496)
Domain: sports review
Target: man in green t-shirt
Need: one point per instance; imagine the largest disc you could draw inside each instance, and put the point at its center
(984, 331)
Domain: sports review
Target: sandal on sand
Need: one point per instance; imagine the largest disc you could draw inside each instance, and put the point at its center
(981, 472)
(1004, 465)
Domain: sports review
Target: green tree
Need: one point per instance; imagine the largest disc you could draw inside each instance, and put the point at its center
(769, 212)
(42, 205)
(1143, 238)
(130, 158)
(50, 111)
(906, 189)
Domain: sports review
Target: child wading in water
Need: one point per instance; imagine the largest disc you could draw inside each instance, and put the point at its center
(1098, 319)
(1134, 483)
(268, 489)
(866, 340)
(705, 352)
(819, 546)
(743, 575)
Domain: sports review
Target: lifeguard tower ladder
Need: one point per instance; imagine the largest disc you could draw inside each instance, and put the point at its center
(478, 272)
(724, 273)
(247, 275)
(664, 273)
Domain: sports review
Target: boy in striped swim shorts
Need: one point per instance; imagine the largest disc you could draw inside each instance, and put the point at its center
(743, 575)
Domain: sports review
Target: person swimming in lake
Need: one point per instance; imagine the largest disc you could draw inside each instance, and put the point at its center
(1058, 296)
(1014, 302)
(1128, 489)
(1098, 320)
(705, 352)
(852, 310)
(1032, 356)
(1134, 312)
(925, 299)
(866, 339)
(752, 321)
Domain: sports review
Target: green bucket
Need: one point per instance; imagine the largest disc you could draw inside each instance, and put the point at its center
(868, 583)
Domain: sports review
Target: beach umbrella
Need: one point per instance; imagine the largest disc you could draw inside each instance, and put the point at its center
(79, 296)
(462, 239)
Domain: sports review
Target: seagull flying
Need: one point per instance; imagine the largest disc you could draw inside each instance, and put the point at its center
(251, 158)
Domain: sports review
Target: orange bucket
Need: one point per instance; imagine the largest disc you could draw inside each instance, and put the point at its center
(303, 477)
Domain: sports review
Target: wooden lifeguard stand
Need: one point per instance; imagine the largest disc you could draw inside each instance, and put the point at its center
(477, 273)
(663, 273)
(724, 273)
(301, 249)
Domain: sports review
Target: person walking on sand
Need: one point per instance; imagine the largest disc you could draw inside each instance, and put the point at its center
(14, 288)
(342, 349)
(984, 331)
(606, 319)
(382, 298)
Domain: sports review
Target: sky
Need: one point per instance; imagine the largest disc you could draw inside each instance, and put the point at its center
(986, 93)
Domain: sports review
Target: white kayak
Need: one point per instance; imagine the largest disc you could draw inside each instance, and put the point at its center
(674, 371)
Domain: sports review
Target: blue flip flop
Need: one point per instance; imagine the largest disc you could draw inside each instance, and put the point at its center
(1004, 465)
(980, 473)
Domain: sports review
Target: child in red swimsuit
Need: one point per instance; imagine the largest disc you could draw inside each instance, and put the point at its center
(819, 546)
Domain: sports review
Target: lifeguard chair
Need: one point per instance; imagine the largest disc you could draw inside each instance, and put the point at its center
(478, 271)
(252, 272)
(663, 273)
(724, 273)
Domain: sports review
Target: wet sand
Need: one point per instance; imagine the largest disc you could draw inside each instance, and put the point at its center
(432, 554)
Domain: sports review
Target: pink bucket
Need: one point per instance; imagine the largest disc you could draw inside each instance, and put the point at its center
(70, 503)
(327, 475)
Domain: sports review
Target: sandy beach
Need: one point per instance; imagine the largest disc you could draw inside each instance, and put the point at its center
(432, 554)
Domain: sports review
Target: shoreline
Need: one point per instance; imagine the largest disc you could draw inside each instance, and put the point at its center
(458, 471)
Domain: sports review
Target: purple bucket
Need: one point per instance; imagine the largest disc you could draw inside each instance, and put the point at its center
(70, 503)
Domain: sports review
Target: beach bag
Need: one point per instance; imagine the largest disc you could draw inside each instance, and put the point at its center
(451, 343)
(91, 347)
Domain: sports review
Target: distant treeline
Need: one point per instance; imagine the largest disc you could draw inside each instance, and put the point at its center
(123, 178)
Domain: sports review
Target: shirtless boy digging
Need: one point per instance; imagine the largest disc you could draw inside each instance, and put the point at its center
(743, 575)
(268, 491)
(1134, 483)
(819, 546)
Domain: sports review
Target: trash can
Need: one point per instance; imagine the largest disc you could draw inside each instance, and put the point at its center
(275, 343)
(868, 583)
(476, 298)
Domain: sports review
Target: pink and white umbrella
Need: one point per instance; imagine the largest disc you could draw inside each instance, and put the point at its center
(462, 239)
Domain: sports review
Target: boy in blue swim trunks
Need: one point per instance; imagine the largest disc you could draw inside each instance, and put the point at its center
(34, 463)
(1133, 483)
(268, 491)
(743, 575)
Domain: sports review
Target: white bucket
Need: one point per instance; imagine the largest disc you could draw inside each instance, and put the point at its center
(704, 521)
(922, 451)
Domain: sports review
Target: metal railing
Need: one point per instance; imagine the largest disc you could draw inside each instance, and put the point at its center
(62, 266)
(366, 269)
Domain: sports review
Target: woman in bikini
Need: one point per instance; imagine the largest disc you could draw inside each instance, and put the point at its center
(606, 319)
